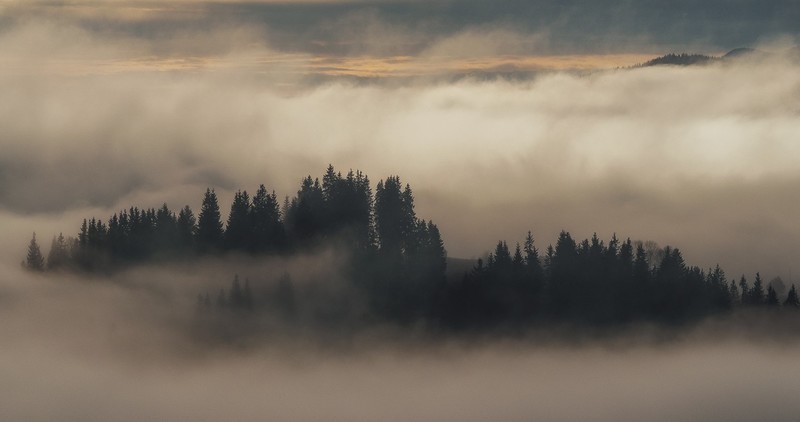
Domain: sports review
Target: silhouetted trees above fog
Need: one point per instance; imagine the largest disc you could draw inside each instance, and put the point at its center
(398, 261)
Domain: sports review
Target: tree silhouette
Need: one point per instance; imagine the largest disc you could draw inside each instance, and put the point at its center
(394, 216)
(756, 294)
(772, 297)
(734, 293)
(397, 262)
(268, 233)
(185, 230)
(792, 300)
(34, 261)
(209, 225)
(239, 229)
(745, 290)
(58, 257)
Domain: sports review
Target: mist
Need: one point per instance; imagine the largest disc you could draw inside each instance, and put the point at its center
(501, 121)
(101, 348)
(701, 157)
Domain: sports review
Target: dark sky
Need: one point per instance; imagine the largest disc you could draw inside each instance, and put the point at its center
(337, 28)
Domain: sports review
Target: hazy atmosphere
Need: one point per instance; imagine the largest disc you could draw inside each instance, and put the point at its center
(504, 116)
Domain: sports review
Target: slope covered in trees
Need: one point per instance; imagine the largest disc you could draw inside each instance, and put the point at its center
(397, 262)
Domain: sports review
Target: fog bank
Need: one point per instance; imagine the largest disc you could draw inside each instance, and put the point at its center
(93, 350)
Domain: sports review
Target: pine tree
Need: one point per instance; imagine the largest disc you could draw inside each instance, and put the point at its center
(532, 263)
(34, 261)
(772, 297)
(239, 228)
(209, 226)
(756, 294)
(792, 301)
(58, 257)
(166, 229)
(745, 290)
(641, 269)
(306, 215)
(186, 228)
(394, 216)
(436, 251)
(267, 230)
(734, 293)
(517, 260)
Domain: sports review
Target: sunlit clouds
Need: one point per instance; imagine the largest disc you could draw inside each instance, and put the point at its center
(488, 120)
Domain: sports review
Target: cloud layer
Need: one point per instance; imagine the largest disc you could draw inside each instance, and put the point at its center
(94, 350)
(700, 157)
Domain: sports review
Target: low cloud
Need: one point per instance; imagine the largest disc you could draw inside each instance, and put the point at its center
(101, 348)
(699, 157)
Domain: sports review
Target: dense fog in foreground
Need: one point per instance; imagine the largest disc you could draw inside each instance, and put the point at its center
(94, 350)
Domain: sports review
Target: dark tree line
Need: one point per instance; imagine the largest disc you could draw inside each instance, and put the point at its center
(398, 261)
(591, 281)
(340, 209)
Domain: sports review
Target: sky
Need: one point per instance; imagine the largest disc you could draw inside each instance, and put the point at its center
(504, 116)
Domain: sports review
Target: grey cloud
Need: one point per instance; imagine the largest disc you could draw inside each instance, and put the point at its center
(97, 350)
(701, 158)
(347, 27)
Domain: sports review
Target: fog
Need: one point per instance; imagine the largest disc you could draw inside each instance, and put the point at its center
(701, 157)
(501, 122)
(122, 349)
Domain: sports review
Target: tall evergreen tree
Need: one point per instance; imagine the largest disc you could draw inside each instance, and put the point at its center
(58, 257)
(239, 228)
(745, 290)
(641, 270)
(772, 297)
(756, 294)
(734, 293)
(267, 231)
(395, 219)
(34, 261)
(792, 301)
(305, 219)
(209, 225)
(166, 230)
(186, 228)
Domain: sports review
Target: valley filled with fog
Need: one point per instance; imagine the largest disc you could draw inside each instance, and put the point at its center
(500, 129)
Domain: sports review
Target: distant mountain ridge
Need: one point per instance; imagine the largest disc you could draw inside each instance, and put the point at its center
(685, 59)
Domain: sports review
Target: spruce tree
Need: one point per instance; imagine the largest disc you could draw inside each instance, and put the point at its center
(389, 219)
(756, 294)
(34, 261)
(792, 301)
(772, 297)
(209, 226)
(58, 257)
(745, 290)
(186, 227)
(239, 228)
(267, 230)
(734, 293)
